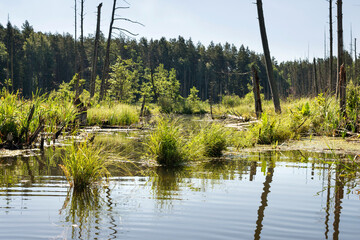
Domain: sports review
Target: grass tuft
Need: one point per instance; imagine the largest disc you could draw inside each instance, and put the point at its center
(83, 165)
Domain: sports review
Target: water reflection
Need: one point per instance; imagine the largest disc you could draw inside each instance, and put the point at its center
(81, 209)
(264, 200)
(209, 195)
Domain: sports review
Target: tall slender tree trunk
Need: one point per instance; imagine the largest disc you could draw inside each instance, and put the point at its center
(340, 58)
(332, 86)
(82, 51)
(342, 90)
(75, 37)
(256, 90)
(355, 64)
(95, 56)
(316, 85)
(269, 67)
(106, 68)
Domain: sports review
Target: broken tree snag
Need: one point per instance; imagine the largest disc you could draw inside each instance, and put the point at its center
(81, 116)
(342, 90)
(268, 62)
(256, 90)
(95, 56)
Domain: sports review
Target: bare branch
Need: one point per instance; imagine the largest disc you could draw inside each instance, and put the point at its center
(121, 8)
(124, 30)
(129, 20)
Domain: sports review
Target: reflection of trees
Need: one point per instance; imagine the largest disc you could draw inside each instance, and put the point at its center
(27, 169)
(166, 184)
(81, 209)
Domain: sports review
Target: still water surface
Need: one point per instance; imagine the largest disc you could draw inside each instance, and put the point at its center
(253, 196)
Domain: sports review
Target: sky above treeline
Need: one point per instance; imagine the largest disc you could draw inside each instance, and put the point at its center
(296, 29)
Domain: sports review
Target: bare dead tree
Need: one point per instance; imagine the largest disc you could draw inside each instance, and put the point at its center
(106, 68)
(82, 51)
(268, 63)
(256, 91)
(340, 58)
(342, 90)
(315, 78)
(332, 86)
(95, 56)
(75, 37)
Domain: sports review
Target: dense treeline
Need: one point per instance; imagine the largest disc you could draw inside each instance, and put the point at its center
(32, 60)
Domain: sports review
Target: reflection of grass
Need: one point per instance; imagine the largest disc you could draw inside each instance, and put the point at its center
(83, 165)
(81, 207)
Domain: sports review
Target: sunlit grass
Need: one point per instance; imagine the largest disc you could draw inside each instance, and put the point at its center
(119, 114)
(84, 164)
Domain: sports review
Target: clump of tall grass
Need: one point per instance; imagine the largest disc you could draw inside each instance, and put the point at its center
(83, 164)
(167, 145)
(119, 114)
(214, 140)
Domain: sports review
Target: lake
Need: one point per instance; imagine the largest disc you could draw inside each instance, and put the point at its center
(269, 195)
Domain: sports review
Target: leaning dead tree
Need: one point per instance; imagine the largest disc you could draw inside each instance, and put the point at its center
(95, 56)
(268, 63)
(106, 68)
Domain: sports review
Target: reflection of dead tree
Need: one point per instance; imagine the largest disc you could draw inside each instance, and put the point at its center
(106, 68)
(339, 194)
(264, 197)
(328, 204)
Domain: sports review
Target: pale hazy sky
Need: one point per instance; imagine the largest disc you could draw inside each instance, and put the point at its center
(295, 28)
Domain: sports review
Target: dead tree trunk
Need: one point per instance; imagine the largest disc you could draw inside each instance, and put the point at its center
(75, 37)
(95, 56)
(340, 59)
(342, 90)
(106, 68)
(256, 90)
(315, 79)
(269, 67)
(332, 86)
(82, 51)
(355, 64)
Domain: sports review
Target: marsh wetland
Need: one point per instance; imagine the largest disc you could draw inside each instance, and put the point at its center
(249, 195)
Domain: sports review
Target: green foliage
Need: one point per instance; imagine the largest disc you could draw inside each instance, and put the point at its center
(325, 118)
(353, 106)
(231, 100)
(124, 79)
(83, 165)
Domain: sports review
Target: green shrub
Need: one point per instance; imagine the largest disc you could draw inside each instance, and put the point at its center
(231, 100)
